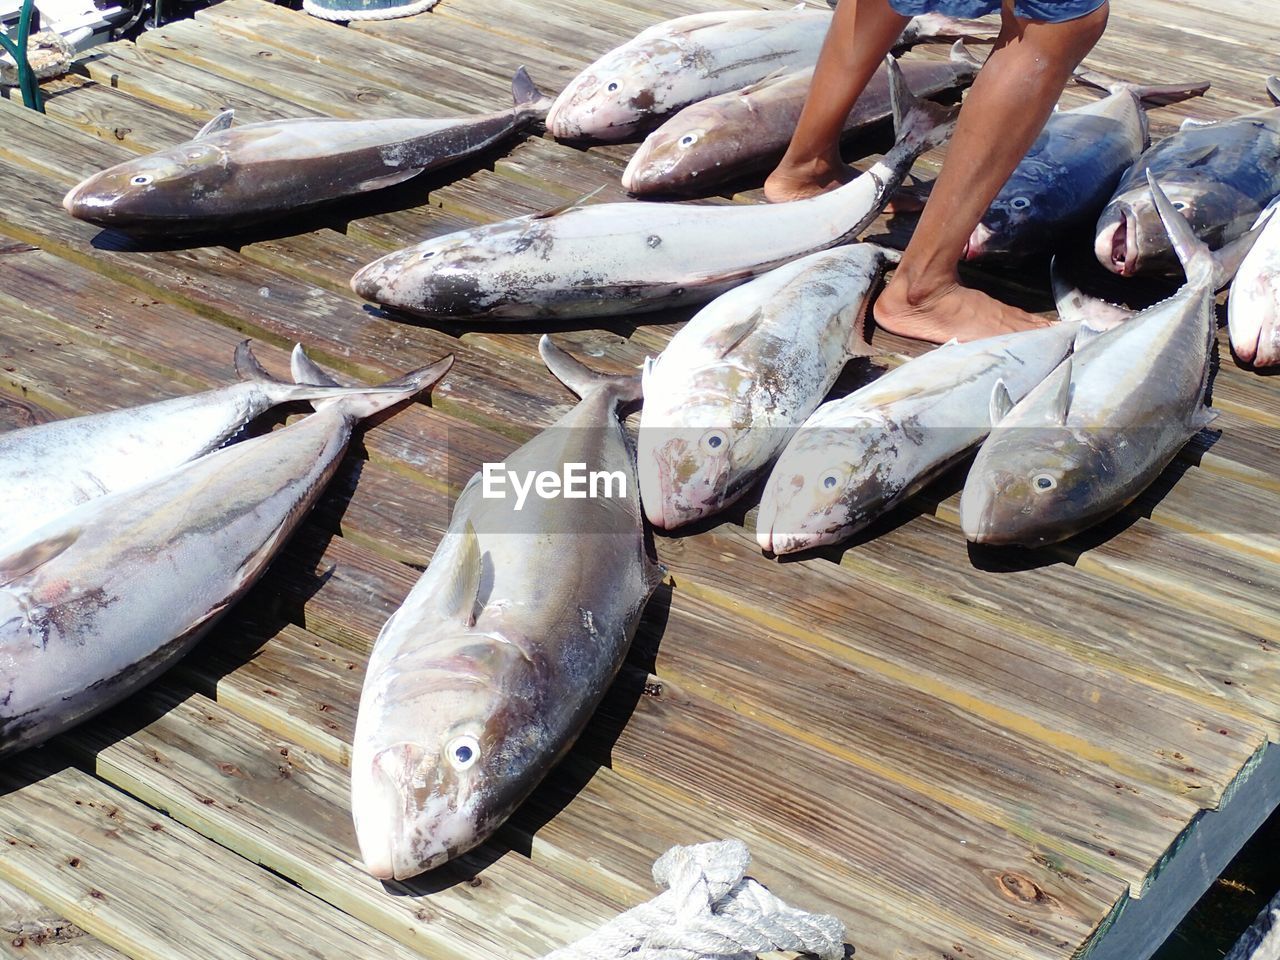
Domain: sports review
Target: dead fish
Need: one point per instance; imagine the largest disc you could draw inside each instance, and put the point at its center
(228, 177)
(857, 457)
(1106, 422)
(102, 599)
(678, 62)
(1219, 175)
(726, 136)
(614, 258)
(1253, 306)
(48, 469)
(488, 672)
(722, 399)
(1071, 171)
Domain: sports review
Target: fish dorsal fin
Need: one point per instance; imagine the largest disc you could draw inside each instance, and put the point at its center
(457, 600)
(737, 331)
(1001, 402)
(1059, 393)
(953, 342)
(1192, 123)
(960, 54)
(1228, 257)
(1196, 260)
(305, 371)
(248, 367)
(566, 206)
(222, 121)
(35, 555)
(1273, 89)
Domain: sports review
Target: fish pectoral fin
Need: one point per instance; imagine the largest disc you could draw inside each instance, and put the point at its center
(35, 555)
(390, 180)
(1001, 402)
(738, 331)
(458, 598)
(1203, 417)
(1196, 157)
(219, 123)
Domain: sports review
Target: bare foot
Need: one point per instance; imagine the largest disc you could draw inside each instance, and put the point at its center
(801, 181)
(952, 312)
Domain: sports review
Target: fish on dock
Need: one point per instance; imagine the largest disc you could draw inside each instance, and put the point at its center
(1253, 305)
(488, 672)
(726, 136)
(102, 599)
(612, 258)
(50, 468)
(1107, 421)
(227, 177)
(722, 399)
(681, 61)
(1219, 175)
(859, 456)
(1071, 171)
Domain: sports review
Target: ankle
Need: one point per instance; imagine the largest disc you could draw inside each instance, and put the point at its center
(914, 290)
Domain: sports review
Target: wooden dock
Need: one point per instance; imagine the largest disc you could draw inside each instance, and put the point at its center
(960, 756)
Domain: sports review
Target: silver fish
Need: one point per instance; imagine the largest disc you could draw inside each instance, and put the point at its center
(102, 599)
(486, 675)
(691, 58)
(724, 396)
(1253, 306)
(614, 258)
(1103, 425)
(1070, 172)
(48, 469)
(857, 457)
(735, 133)
(228, 177)
(1220, 175)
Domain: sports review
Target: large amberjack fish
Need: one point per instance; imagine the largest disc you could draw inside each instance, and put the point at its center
(681, 61)
(103, 598)
(857, 457)
(735, 133)
(488, 672)
(1071, 171)
(230, 176)
(1106, 422)
(612, 258)
(724, 396)
(50, 468)
(1253, 306)
(1219, 175)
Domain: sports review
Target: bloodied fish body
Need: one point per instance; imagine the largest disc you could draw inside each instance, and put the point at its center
(103, 598)
(1069, 174)
(726, 136)
(1105, 423)
(614, 258)
(488, 672)
(726, 393)
(1219, 176)
(231, 176)
(857, 457)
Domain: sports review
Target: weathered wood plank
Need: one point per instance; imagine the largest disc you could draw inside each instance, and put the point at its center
(31, 931)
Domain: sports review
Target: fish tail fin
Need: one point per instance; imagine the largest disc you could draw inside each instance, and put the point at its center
(1152, 95)
(1095, 316)
(1197, 262)
(525, 94)
(360, 402)
(581, 379)
(248, 367)
(918, 124)
(940, 26)
(1228, 257)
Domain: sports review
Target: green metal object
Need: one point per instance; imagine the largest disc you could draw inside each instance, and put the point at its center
(27, 82)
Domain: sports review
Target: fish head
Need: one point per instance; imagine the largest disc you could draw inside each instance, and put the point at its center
(672, 157)
(164, 186)
(1253, 313)
(828, 484)
(456, 751)
(611, 98)
(1131, 239)
(1034, 485)
(1019, 219)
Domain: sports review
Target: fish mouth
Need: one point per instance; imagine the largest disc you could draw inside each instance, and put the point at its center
(88, 206)
(976, 246)
(369, 282)
(1116, 246)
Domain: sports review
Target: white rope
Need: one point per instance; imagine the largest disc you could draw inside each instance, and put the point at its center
(710, 911)
(372, 13)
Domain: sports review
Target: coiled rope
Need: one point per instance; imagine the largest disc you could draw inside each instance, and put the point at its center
(710, 911)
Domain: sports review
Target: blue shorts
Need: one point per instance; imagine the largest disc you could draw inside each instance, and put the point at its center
(1047, 11)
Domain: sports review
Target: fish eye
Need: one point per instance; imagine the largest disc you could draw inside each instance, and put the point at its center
(463, 752)
(1179, 205)
(829, 480)
(428, 255)
(688, 140)
(1044, 482)
(612, 86)
(714, 441)
(1019, 203)
(141, 179)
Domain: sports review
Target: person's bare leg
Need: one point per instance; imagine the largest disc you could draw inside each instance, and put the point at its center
(861, 33)
(1010, 101)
